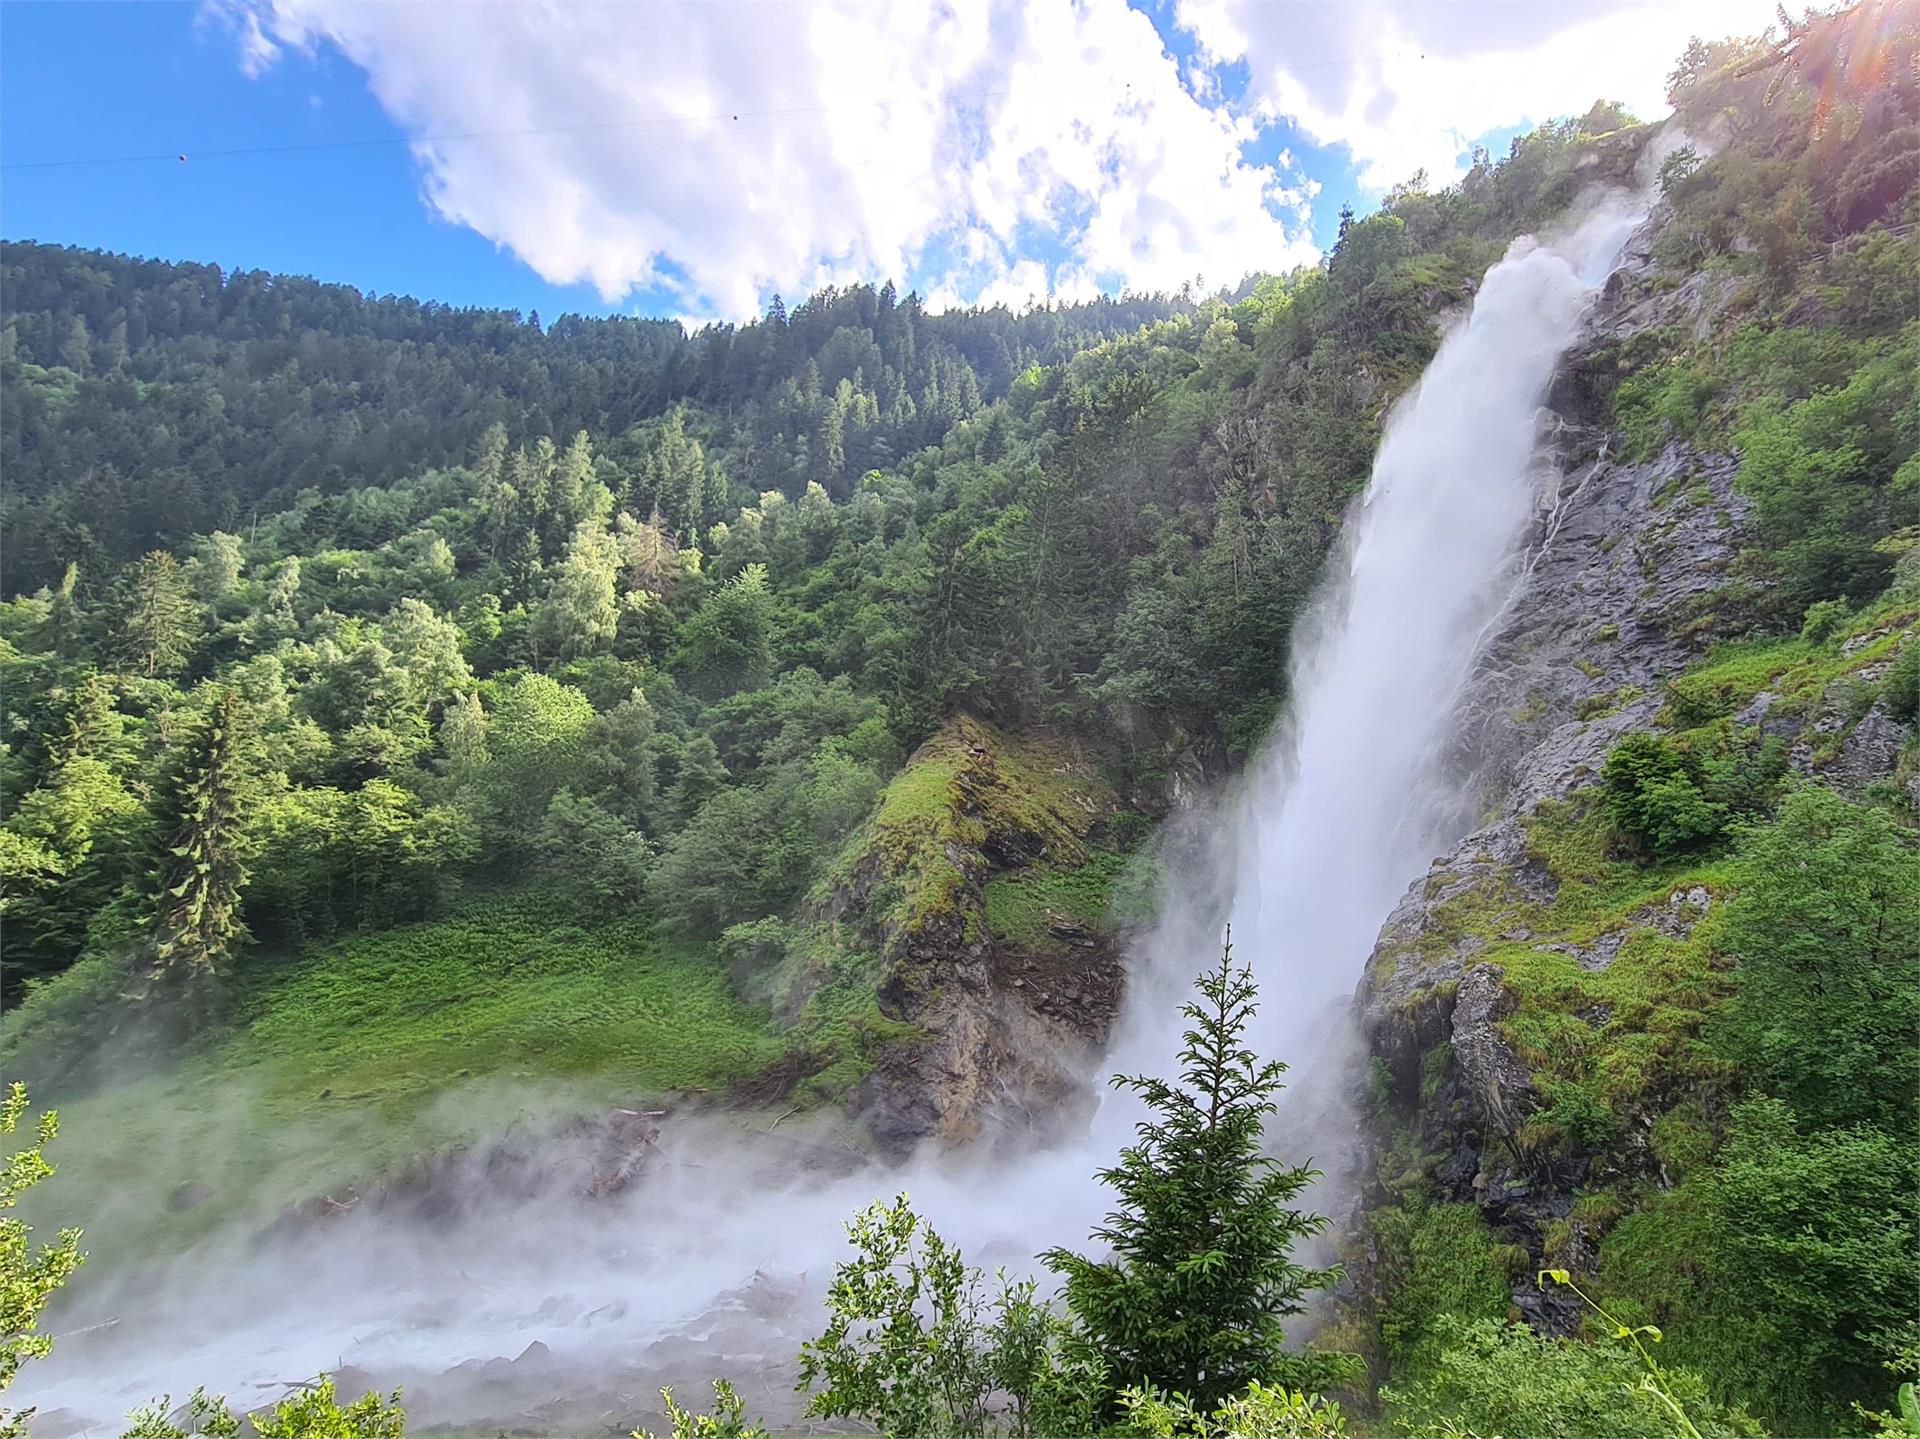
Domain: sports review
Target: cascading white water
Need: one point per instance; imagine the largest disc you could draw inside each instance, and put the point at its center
(1342, 813)
(1331, 827)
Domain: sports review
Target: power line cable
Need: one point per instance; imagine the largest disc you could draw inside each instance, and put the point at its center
(376, 140)
(591, 127)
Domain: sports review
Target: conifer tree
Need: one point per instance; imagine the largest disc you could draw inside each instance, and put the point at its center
(76, 350)
(1191, 1297)
(674, 478)
(203, 868)
(218, 563)
(63, 626)
(158, 621)
(282, 591)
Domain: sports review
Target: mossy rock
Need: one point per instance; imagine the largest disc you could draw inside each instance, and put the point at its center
(972, 800)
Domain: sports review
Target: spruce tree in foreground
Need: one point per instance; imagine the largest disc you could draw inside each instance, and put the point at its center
(1191, 1297)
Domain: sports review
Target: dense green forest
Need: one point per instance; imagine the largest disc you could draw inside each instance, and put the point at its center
(350, 639)
(731, 614)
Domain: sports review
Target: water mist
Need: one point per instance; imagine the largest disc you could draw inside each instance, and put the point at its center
(1327, 831)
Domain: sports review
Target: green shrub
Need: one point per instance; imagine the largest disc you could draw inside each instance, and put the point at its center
(1440, 1259)
(1822, 476)
(914, 1347)
(1580, 1113)
(315, 1413)
(1666, 795)
(727, 1421)
(1826, 929)
(1494, 1377)
(1823, 620)
(1783, 1273)
(1820, 1230)
(1259, 1413)
(1903, 683)
(1653, 798)
(28, 1277)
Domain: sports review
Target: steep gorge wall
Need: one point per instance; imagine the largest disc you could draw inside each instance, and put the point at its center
(1533, 1003)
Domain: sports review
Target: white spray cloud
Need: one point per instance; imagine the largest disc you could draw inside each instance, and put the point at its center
(996, 149)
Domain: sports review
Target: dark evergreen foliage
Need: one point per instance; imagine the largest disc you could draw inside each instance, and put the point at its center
(202, 873)
(1200, 1273)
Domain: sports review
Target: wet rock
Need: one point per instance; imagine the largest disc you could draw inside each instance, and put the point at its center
(675, 1351)
(1870, 752)
(1624, 588)
(774, 1296)
(59, 1424)
(1685, 908)
(1486, 1063)
(1553, 1310)
(1854, 644)
(998, 1037)
(1455, 1173)
(1594, 957)
(188, 1196)
(559, 1309)
(422, 1314)
(351, 1382)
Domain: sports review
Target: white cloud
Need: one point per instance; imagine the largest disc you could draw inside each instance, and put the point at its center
(1409, 84)
(994, 150)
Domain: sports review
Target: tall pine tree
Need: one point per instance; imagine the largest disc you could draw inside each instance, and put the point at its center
(203, 871)
(1199, 1275)
(158, 622)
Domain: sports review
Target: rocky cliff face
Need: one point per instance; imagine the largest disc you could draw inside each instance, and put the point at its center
(1531, 1004)
(981, 888)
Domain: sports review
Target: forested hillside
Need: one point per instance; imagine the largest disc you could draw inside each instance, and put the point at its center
(701, 592)
(158, 400)
(399, 696)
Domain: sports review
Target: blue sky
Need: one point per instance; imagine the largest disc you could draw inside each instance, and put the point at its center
(110, 79)
(1030, 148)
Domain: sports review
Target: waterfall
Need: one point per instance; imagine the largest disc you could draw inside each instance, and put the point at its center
(1347, 806)
(1332, 824)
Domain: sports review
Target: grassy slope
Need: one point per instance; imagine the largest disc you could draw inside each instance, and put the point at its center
(362, 1052)
(354, 1055)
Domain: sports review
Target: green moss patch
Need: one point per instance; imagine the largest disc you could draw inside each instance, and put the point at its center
(1796, 669)
(1611, 703)
(1603, 1044)
(1023, 907)
(967, 789)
